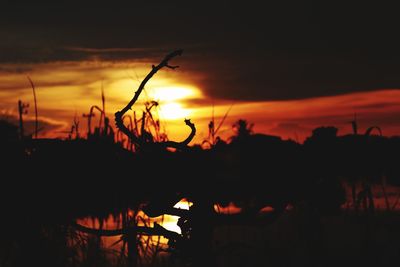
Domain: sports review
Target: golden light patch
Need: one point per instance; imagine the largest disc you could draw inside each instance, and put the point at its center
(174, 111)
(183, 204)
(170, 223)
(68, 89)
(173, 93)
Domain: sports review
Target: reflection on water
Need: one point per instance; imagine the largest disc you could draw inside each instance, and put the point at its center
(147, 245)
(231, 208)
(151, 246)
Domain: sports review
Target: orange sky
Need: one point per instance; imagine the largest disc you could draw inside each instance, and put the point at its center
(68, 88)
(287, 68)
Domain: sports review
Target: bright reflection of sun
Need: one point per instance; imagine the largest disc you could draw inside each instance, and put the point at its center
(170, 222)
(183, 204)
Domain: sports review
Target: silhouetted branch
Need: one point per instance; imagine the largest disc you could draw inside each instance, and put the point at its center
(164, 63)
(99, 232)
(182, 145)
(172, 67)
(22, 109)
(35, 101)
(223, 120)
(143, 230)
(119, 114)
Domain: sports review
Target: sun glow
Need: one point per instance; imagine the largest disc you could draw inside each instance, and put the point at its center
(171, 100)
(173, 93)
(69, 89)
(174, 111)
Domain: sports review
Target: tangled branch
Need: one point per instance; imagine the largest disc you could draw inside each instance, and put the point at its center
(119, 114)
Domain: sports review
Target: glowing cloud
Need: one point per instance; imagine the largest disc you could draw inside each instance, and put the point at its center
(174, 111)
(173, 93)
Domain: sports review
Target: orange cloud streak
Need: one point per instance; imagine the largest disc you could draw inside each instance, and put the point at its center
(69, 88)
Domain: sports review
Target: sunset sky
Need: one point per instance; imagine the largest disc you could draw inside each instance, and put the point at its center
(287, 67)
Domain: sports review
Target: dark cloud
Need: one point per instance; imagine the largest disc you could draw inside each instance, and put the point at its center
(15, 69)
(381, 106)
(22, 84)
(239, 51)
(45, 126)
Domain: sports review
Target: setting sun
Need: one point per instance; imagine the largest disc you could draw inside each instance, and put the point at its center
(174, 111)
(173, 93)
(171, 100)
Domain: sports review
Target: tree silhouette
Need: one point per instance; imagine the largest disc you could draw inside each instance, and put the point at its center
(242, 129)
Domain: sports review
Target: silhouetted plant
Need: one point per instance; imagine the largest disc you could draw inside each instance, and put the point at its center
(22, 110)
(35, 102)
(213, 139)
(89, 117)
(242, 129)
(365, 196)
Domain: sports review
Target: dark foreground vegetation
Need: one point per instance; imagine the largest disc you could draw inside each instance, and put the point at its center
(307, 219)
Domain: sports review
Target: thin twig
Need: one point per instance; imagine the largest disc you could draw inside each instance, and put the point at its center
(36, 111)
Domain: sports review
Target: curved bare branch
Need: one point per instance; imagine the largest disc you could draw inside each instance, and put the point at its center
(119, 114)
(35, 101)
(182, 145)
